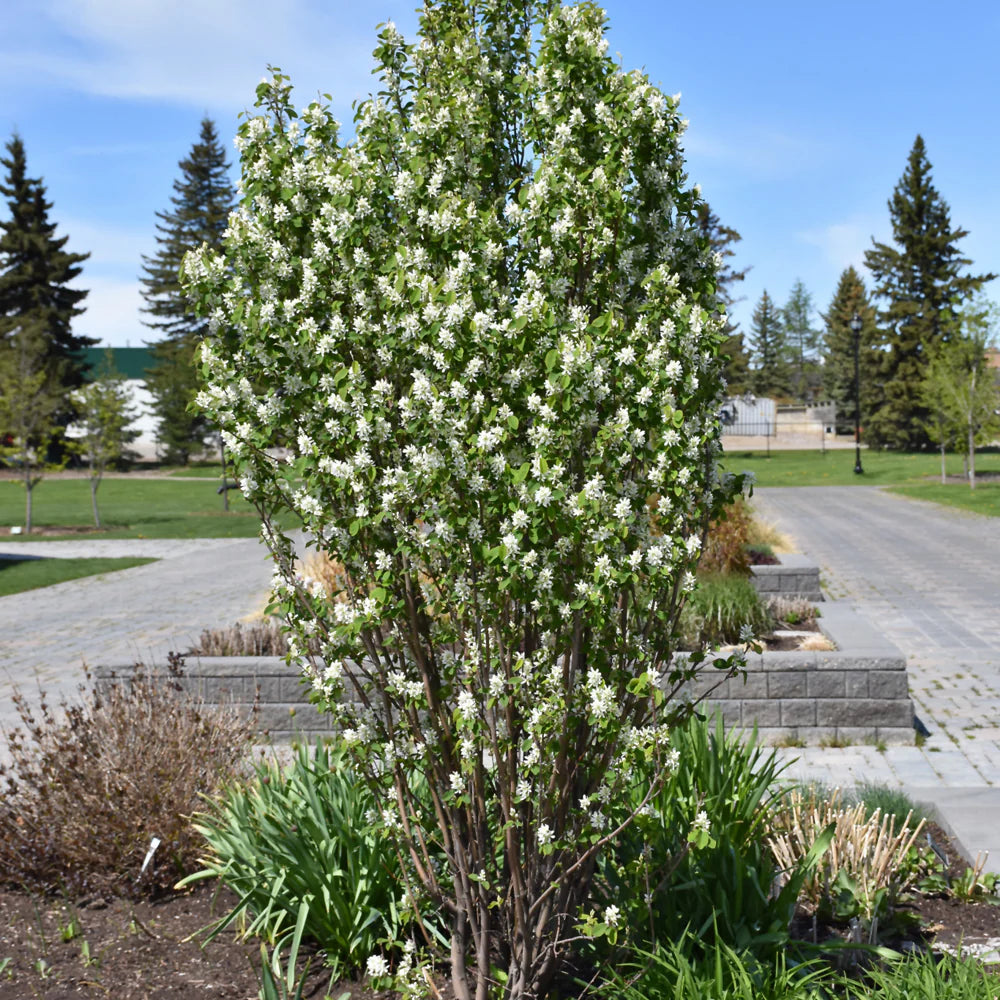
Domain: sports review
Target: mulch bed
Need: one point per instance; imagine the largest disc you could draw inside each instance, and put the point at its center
(150, 950)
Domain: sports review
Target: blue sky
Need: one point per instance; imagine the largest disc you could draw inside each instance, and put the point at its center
(801, 115)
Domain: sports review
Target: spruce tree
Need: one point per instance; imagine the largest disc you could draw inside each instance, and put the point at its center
(720, 240)
(769, 374)
(203, 197)
(35, 272)
(802, 343)
(921, 284)
(850, 297)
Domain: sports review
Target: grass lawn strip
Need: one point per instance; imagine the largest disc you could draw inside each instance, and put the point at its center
(836, 468)
(17, 575)
(132, 508)
(984, 499)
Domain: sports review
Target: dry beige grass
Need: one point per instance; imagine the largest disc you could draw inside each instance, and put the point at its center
(870, 851)
(765, 533)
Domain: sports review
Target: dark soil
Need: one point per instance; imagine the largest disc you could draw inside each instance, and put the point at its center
(151, 950)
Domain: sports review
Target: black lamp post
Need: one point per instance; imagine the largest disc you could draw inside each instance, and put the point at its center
(856, 330)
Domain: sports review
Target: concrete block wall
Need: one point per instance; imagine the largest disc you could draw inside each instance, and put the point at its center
(857, 693)
(794, 576)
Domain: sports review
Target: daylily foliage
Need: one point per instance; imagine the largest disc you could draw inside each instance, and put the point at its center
(475, 350)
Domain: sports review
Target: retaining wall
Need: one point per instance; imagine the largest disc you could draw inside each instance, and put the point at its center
(856, 693)
(794, 576)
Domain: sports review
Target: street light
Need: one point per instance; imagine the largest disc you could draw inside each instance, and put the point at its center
(856, 330)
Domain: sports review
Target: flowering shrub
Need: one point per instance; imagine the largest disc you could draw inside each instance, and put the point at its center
(475, 351)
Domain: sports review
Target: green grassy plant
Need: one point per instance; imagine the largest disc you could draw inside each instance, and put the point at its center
(717, 610)
(133, 508)
(889, 801)
(719, 891)
(836, 468)
(925, 976)
(17, 575)
(297, 849)
(722, 973)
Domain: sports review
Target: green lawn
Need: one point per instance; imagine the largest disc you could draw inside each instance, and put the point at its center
(133, 508)
(984, 499)
(28, 574)
(836, 468)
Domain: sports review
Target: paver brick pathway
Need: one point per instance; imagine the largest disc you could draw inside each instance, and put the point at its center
(133, 614)
(929, 576)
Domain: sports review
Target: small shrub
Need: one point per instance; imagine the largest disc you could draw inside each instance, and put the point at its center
(297, 848)
(718, 609)
(86, 794)
(263, 639)
(726, 543)
(792, 610)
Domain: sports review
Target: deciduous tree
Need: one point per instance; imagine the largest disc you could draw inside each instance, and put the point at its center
(31, 395)
(960, 390)
(104, 413)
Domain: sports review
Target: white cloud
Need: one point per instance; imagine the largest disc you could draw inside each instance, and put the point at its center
(112, 249)
(760, 152)
(206, 53)
(843, 244)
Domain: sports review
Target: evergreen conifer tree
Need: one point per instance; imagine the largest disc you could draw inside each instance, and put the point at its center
(203, 197)
(850, 297)
(769, 374)
(720, 239)
(35, 272)
(802, 343)
(921, 283)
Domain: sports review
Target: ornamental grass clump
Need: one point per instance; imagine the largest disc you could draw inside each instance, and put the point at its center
(867, 866)
(481, 335)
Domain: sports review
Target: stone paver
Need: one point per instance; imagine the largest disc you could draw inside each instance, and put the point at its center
(929, 577)
(136, 614)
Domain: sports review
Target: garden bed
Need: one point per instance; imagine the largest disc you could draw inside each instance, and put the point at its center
(143, 950)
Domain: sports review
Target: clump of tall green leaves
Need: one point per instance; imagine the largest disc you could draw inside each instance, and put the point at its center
(720, 972)
(484, 335)
(298, 849)
(721, 606)
(695, 868)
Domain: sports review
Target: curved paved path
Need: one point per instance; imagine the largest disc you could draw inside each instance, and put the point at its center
(135, 614)
(929, 576)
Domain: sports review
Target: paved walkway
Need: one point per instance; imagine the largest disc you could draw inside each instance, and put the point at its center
(135, 614)
(929, 576)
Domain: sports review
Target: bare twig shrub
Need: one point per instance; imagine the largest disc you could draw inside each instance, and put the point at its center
(263, 639)
(794, 610)
(90, 787)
